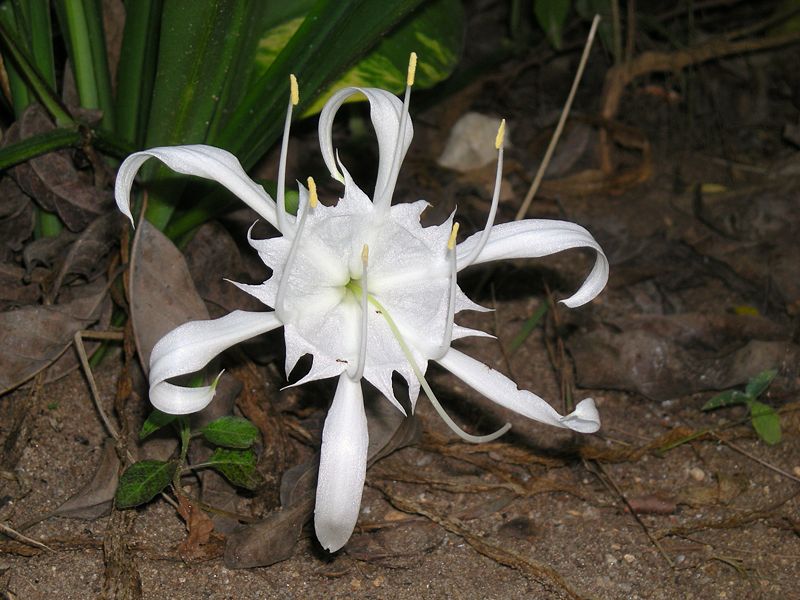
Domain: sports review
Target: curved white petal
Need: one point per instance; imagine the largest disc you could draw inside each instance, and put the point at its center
(500, 389)
(532, 238)
(190, 347)
(385, 111)
(342, 466)
(203, 161)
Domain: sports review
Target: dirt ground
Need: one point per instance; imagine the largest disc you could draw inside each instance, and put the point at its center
(665, 502)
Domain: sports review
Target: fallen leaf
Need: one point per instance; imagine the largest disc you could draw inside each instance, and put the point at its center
(95, 498)
(17, 218)
(162, 294)
(14, 290)
(87, 254)
(52, 179)
(212, 257)
(273, 539)
(32, 338)
(199, 545)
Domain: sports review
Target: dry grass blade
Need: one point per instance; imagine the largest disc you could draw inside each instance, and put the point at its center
(5, 529)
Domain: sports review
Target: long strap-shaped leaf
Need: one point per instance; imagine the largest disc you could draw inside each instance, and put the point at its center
(15, 52)
(333, 35)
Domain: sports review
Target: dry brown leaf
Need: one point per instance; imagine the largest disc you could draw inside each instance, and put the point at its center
(96, 497)
(32, 338)
(162, 294)
(52, 179)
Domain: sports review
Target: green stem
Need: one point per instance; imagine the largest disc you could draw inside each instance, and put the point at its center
(35, 82)
(20, 98)
(81, 53)
(48, 224)
(40, 32)
(57, 139)
(185, 431)
(39, 144)
(137, 68)
(93, 14)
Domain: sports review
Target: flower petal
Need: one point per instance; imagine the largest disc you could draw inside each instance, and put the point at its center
(500, 389)
(190, 347)
(342, 466)
(385, 111)
(532, 238)
(202, 161)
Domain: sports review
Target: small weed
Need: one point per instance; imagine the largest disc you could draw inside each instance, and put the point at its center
(765, 420)
(234, 458)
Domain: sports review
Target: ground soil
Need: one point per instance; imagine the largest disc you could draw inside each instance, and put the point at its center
(542, 513)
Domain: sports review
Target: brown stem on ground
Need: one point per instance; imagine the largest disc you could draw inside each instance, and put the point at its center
(619, 76)
(542, 573)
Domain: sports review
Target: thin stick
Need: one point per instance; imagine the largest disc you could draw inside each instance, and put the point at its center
(90, 378)
(636, 516)
(560, 126)
(763, 463)
(23, 538)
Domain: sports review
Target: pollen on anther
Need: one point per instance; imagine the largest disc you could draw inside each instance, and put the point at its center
(412, 69)
(312, 192)
(451, 243)
(294, 92)
(501, 133)
(365, 255)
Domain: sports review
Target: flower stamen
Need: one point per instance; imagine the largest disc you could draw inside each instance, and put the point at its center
(280, 298)
(467, 437)
(294, 99)
(383, 198)
(499, 142)
(451, 299)
(362, 350)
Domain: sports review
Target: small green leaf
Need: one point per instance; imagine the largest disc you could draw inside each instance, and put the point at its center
(142, 481)
(729, 398)
(528, 327)
(766, 422)
(759, 383)
(237, 466)
(231, 432)
(155, 421)
(551, 15)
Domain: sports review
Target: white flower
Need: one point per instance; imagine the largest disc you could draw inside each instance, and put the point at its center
(363, 288)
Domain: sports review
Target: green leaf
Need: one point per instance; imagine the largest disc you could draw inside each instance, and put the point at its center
(142, 481)
(729, 398)
(155, 421)
(435, 33)
(199, 40)
(231, 432)
(17, 55)
(237, 466)
(528, 327)
(331, 36)
(551, 15)
(766, 422)
(759, 383)
(136, 71)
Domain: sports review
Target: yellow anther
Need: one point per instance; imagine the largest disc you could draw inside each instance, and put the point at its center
(312, 192)
(365, 255)
(501, 133)
(412, 69)
(294, 92)
(451, 243)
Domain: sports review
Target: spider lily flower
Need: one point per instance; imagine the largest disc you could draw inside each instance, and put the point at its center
(364, 289)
